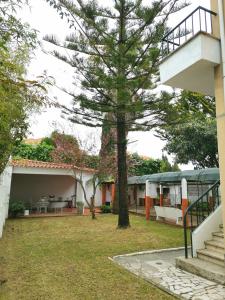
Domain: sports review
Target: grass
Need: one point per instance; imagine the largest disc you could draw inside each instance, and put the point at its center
(67, 258)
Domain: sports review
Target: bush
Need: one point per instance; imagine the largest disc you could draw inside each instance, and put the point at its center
(16, 208)
(105, 209)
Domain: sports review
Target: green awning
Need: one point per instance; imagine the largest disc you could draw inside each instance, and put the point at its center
(203, 175)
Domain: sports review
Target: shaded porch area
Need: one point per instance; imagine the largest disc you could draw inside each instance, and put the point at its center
(44, 194)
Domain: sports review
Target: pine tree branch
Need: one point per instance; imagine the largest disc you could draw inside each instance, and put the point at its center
(149, 44)
(68, 7)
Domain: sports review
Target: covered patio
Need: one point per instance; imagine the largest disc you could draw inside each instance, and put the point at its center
(166, 196)
(50, 188)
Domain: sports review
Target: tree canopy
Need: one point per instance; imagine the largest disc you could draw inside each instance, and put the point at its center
(59, 147)
(139, 165)
(19, 96)
(190, 129)
(194, 142)
(41, 152)
(114, 52)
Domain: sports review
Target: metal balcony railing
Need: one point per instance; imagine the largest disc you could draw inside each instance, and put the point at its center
(200, 20)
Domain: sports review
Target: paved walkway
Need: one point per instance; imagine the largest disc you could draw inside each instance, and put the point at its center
(158, 267)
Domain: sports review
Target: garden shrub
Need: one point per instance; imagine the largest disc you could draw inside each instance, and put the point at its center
(105, 209)
(16, 208)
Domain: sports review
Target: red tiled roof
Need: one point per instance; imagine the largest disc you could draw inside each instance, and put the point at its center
(27, 163)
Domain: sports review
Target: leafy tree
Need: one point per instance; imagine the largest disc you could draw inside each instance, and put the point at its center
(19, 97)
(41, 152)
(115, 56)
(139, 165)
(194, 142)
(66, 149)
(183, 107)
(91, 161)
(60, 147)
(165, 165)
(190, 132)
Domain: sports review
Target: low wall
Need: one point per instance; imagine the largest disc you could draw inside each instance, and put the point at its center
(5, 183)
(169, 213)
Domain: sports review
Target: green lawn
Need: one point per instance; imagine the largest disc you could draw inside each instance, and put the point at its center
(67, 258)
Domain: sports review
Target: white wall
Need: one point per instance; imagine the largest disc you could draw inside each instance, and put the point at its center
(204, 231)
(192, 65)
(98, 197)
(5, 182)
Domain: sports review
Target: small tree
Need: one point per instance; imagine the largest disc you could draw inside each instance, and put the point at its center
(95, 180)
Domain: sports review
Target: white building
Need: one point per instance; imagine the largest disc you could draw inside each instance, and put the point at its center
(194, 59)
(29, 181)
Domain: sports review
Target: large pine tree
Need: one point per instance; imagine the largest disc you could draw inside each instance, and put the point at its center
(114, 51)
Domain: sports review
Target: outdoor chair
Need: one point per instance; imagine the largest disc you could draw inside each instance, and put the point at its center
(43, 205)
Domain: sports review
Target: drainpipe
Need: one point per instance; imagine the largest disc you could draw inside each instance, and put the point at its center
(222, 38)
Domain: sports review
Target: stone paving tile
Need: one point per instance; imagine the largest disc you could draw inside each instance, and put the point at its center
(176, 281)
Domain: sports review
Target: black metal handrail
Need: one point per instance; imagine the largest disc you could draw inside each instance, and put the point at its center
(200, 20)
(199, 210)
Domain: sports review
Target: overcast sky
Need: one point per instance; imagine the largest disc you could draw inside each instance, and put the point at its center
(45, 19)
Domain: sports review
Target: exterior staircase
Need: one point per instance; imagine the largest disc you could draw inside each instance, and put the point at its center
(209, 262)
(214, 249)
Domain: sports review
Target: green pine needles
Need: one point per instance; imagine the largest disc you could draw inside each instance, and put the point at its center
(114, 52)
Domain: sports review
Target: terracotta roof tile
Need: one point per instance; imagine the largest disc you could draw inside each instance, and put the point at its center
(27, 163)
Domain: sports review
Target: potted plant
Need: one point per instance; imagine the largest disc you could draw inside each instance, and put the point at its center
(16, 208)
(80, 207)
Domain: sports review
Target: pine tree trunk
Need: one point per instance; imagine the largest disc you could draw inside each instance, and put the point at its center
(115, 204)
(123, 220)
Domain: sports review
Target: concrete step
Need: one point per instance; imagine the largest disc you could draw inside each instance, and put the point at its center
(202, 268)
(211, 256)
(214, 245)
(221, 228)
(218, 236)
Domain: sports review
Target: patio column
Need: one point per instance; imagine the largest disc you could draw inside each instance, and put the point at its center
(160, 195)
(113, 190)
(103, 194)
(184, 196)
(151, 193)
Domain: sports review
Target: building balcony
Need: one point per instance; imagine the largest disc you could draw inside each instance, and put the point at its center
(190, 53)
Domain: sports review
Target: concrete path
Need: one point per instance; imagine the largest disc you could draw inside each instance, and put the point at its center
(158, 267)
